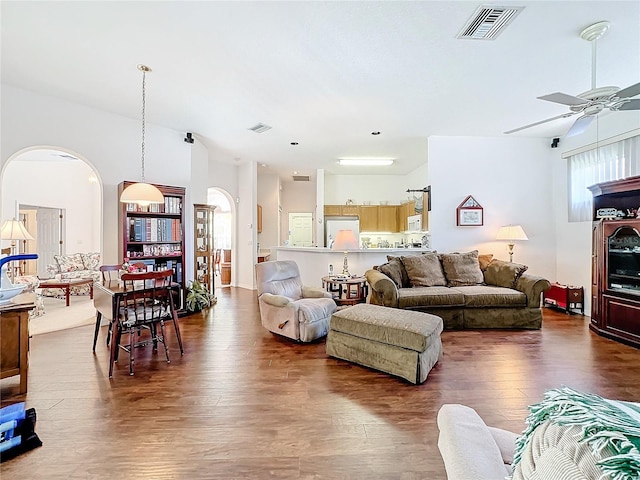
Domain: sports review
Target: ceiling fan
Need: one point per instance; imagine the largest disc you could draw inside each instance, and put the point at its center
(595, 100)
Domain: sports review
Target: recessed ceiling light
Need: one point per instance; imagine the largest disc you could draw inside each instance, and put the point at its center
(375, 133)
(294, 143)
(295, 173)
(263, 164)
(364, 162)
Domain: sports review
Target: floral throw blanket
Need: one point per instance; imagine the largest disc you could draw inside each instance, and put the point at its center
(604, 423)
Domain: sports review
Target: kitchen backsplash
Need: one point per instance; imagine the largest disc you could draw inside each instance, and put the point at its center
(394, 240)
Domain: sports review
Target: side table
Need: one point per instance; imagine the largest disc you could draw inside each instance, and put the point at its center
(346, 291)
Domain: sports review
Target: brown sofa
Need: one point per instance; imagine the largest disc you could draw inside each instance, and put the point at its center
(466, 290)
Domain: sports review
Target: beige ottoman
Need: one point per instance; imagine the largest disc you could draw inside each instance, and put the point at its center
(400, 342)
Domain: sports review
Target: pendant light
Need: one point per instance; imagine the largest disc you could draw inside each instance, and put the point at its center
(142, 193)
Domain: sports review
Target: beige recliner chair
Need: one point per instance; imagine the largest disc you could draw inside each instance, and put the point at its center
(289, 308)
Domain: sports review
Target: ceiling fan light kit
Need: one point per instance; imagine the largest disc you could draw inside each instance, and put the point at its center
(594, 100)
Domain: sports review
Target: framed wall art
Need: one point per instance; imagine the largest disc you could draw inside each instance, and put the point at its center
(469, 213)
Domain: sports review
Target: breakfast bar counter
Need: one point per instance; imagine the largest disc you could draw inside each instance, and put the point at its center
(314, 262)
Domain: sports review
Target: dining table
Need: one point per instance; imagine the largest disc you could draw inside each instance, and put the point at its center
(107, 297)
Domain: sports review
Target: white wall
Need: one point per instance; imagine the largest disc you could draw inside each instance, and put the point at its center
(511, 179)
(373, 188)
(30, 183)
(297, 197)
(109, 142)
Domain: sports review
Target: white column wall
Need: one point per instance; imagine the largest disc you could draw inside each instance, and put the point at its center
(268, 198)
(242, 266)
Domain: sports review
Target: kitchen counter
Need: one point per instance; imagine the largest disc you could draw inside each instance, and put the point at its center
(314, 262)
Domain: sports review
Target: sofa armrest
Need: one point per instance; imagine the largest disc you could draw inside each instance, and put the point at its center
(467, 446)
(315, 292)
(506, 442)
(275, 300)
(52, 270)
(383, 290)
(532, 287)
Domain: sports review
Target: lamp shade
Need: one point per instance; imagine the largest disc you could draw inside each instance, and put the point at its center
(511, 232)
(14, 230)
(345, 240)
(141, 193)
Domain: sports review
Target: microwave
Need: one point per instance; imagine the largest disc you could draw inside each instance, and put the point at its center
(414, 223)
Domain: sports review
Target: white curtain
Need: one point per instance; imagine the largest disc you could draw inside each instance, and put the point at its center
(610, 162)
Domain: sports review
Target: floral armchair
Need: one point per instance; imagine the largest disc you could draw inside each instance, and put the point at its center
(74, 265)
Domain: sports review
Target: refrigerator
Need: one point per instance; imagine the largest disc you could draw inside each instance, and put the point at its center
(334, 223)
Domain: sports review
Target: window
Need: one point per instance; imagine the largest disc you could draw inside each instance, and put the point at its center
(614, 161)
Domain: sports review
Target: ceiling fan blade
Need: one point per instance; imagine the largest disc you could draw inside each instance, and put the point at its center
(629, 92)
(563, 98)
(564, 115)
(631, 105)
(580, 125)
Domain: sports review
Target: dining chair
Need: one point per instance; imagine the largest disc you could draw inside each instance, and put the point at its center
(145, 305)
(216, 261)
(110, 273)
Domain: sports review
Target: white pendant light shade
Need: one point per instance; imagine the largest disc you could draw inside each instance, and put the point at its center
(144, 194)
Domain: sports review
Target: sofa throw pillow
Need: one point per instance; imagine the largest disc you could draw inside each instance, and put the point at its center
(91, 260)
(69, 263)
(503, 274)
(462, 269)
(484, 259)
(424, 270)
(392, 270)
(406, 283)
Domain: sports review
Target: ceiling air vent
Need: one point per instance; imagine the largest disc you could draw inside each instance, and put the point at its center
(260, 127)
(488, 22)
(300, 178)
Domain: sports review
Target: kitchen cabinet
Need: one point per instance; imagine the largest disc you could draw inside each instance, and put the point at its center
(333, 210)
(351, 210)
(368, 218)
(373, 218)
(405, 210)
(388, 218)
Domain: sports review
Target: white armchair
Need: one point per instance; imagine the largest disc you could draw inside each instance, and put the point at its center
(289, 308)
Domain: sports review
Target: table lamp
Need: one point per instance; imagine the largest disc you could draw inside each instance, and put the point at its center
(14, 230)
(345, 240)
(511, 233)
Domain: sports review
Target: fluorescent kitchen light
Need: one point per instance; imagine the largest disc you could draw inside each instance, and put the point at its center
(364, 162)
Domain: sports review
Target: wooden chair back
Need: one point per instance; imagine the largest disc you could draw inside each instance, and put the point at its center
(110, 272)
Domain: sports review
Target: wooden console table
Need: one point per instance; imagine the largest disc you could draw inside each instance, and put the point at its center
(14, 337)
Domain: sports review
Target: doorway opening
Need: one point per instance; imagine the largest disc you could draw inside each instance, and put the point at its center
(38, 184)
(222, 233)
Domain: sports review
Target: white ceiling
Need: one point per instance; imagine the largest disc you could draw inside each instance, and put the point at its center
(323, 74)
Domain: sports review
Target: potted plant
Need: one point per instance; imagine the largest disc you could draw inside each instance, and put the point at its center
(198, 297)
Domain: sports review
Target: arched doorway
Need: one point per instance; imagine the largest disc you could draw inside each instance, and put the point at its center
(58, 195)
(223, 228)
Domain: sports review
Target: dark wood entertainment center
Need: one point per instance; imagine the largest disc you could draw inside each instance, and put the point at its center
(615, 269)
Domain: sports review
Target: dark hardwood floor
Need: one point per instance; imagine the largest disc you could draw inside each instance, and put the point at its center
(244, 403)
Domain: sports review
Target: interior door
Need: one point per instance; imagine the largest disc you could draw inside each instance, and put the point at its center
(49, 236)
(301, 229)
